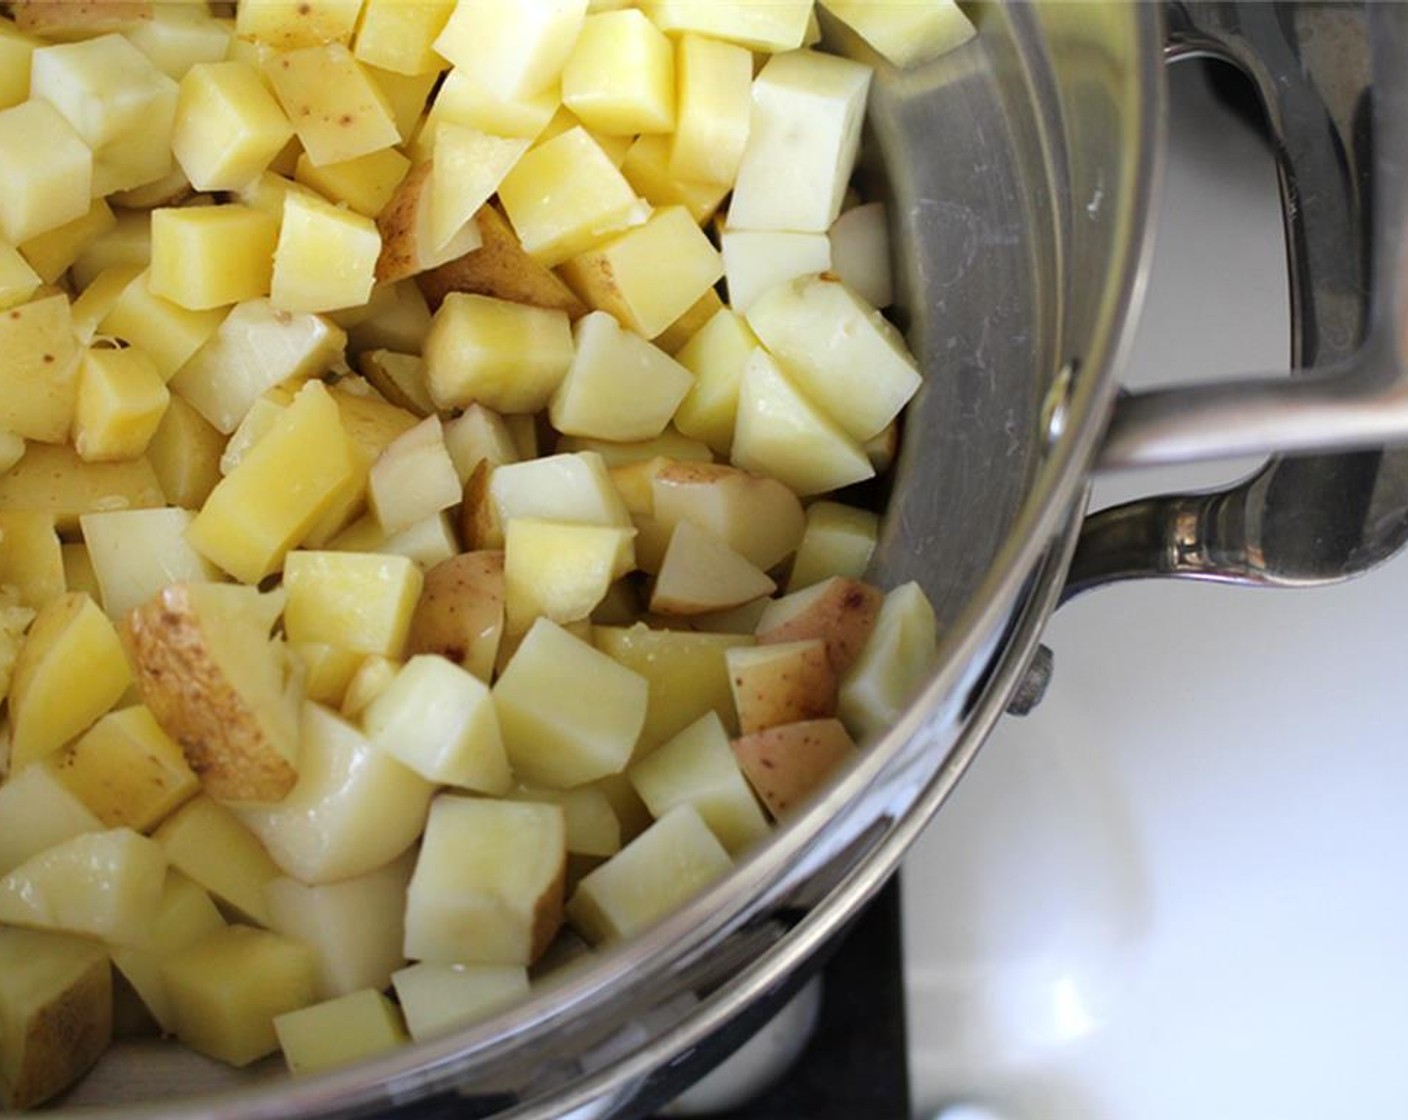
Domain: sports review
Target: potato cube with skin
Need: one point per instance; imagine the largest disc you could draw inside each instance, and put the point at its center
(70, 639)
(355, 926)
(137, 552)
(620, 76)
(487, 888)
(700, 574)
(339, 1031)
(48, 171)
(52, 478)
(38, 812)
(414, 478)
(838, 541)
(127, 770)
(169, 333)
(104, 885)
(460, 615)
(808, 109)
(618, 386)
(228, 126)
(51, 253)
(121, 399)
(776, 26)
(31, 560)
(39, 377)
(207, 843)
(565, 195)
(780, 432)
(439, 720)
(335, 106)
(841, 612)
(646, 166)
(843, 354)
(253, 518)
(782, 683)
(558, 570)
(227, 988)
(319, 833)
(515, 48)
(715, 82)
(356, 601)
(55, 1013)
(435, 998)
(290, 24)
(756, 261)
(893, 663)
(569, 714)
(697, 768)
(211, 256)
(506, 356)
(787, 764)
(365, 184)
(400, 378)
(909, 33)
(467, 169)
(408, 245)
(396, 35)
(625, 275)
(325, 258)
(18, 281)
(756, 516)
(664, 866)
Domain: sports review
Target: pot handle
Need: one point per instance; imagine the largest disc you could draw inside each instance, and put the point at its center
(1334, 82)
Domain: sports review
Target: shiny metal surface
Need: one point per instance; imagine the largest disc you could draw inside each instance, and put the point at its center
(1333, 81)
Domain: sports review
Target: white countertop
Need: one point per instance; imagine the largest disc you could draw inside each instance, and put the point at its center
(1177, 889)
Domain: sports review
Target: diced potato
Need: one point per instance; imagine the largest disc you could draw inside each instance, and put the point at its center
(286, 25)
(205, 841)
(467, 169)
(227, 988)
(462, 100)
(48, 171)
(184, 915)
(780, 432)
(860, 253)
(400, 378)
(566, 195)
(365, 184)
(672, 338)
(31, 560)
(184, 454)
(78, 571)
(716, 356)
(18, 281)
(228, 126)
(697, 768)
(16, 49)
(487, 887)
(136, 553)
(167, 332)
(558, 570)
(618, 387)
(178, 37)
(754, 515)
(479, 435)
(37, 812)
(700, 573)
(127, 770)
(70, 639)
(414, 478)
(327, 670)
(838, 541)
(98, 299)
(435, 998)
(506, 356)
(756, 261)
(39, 377)
(620, 77)
(50, 254)
(776, 26)
(53, 479)
(665, 865)
(127, 242)
(568, 713)
(12, 449)
(336, 108)
(786, 764)
(715, 86)
(211, 256)
(121, 399)
(808, 109)
(55, 1013)
(646, 167)
(782, 683)
(841, 612)
(515, 48)
(339, 1031)
(355, 926)
(894, 662)
(570, 487)
(104, 885)
(906, 34)
(358, 601)
(408, 244)
(354, 809)
(314, 235)
(593, 828)
(397, 35)
(460, 615)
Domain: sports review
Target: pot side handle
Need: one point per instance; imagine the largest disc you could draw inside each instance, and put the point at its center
(1334, 81)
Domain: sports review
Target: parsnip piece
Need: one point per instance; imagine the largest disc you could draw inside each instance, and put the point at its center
(218, 685)
(355, 601)
(460, 614)
(906, 34)
(838, 541)
(515, 48)
(37, 812)
(206, 842)
(339, 1031)
(700, 573)
(137, 552)
(319, 832)
(898, 656)
(355, 926)
(487, 887)
(782, 683)
(436, 998)
(227, 988)
(696, 767)
(70, 639)
(786, 764)
(55, 1013)
(104, 885)
(662, 867)
(841, 612)
(756, 516)
(569, 714)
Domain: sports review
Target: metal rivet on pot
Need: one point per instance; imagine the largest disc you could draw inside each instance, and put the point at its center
(1055, 407)
(1034, 681)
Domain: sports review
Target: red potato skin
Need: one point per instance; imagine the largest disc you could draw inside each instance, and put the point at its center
(786, 764)
(842, 617)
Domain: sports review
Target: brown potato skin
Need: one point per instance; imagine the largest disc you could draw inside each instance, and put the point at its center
(183, 685)
(801, 688)
(461, 610)
(397, 225)
(842, 616)
(786, 764)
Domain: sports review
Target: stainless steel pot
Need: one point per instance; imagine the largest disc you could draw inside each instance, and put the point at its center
(1020, 172)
